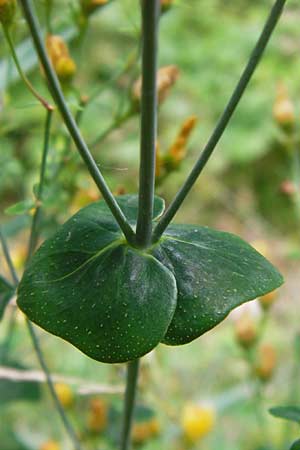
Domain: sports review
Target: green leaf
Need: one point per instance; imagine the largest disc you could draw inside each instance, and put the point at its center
(296, 445)
(215, 272)
(291, 413)
(6, 293)
(20, 208)
(89, 287)
(116, 303)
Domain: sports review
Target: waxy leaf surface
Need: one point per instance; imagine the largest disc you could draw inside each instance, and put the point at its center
(89, 287)
(116, 303)
(215, 272)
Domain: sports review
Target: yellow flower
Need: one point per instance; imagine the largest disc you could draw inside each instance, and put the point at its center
(177, 151)
(283, 109)
(64, 394)
(7, 12)
(267, 300)
(266, 363)
(197, 421)
(50, 445)
(62, 62)
(144, 430)
(166, 78)
(97, 416)
(245, 331)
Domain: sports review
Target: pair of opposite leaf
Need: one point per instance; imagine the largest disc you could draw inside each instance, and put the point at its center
(116, 303)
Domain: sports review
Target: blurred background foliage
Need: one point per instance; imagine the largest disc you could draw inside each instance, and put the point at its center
(215, 392)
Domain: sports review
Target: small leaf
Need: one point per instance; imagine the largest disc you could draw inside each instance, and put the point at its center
(296, 445)
(215, 272)
(20, 208)
(6, 293)
(291, 413)
(89, 287)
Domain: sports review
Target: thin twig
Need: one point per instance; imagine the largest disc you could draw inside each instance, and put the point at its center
(23, 77)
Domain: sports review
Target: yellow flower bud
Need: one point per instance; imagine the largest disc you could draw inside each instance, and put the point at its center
(62, 62)
(197, 421)
(267, 300)
(98, 415)
(166, 4)
(145, 430)
(245, 331)
(64, 394)
(50, 445)
(266, 362)
(7, 12)
(166, 78)
(283, 109)
(177, 151)
(90, 6)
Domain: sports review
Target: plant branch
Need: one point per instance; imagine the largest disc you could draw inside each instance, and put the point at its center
(130, 394)
(67, 424)
(224, 119)
(70, 123)
(40, 355)
(34, 234)
(8, 258)
(23, 77)
(150, 27)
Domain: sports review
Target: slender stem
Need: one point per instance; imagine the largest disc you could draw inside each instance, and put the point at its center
(58, 406)
(224, 119)
(130, 395)
(8, 258)
(14, 55)
(150, 19)
(38, 350)
(37, 214)
(74, 131)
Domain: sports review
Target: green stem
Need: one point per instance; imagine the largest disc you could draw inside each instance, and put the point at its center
(70, 123)
(40, 355)
(150, 19)
(224, 119)
(34, 234)
(8, 258)
(130, 395)
(14, 55)
(57, 404)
